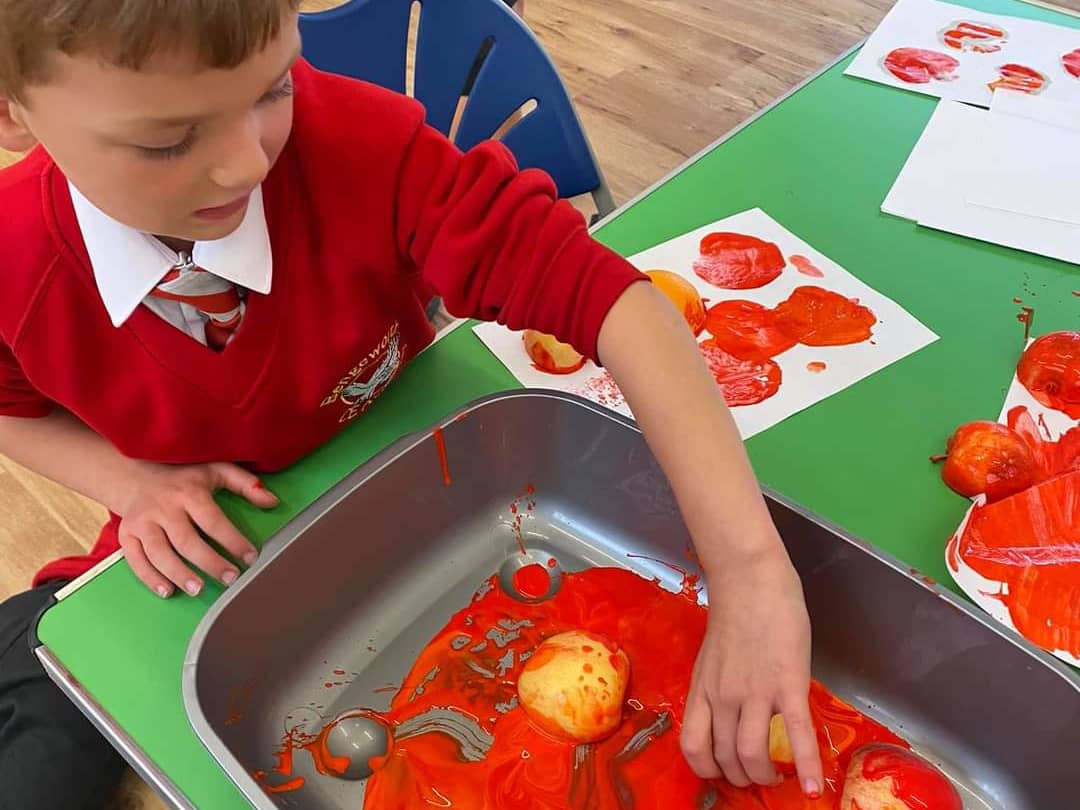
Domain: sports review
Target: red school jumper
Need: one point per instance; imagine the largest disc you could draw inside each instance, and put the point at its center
(369, 211)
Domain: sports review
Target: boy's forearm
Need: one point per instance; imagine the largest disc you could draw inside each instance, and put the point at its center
(682, 413)
(62, 448)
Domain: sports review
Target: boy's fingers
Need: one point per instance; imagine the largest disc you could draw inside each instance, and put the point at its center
(209, 517)
(804, 744)
(245, 484)
(144, 570)
(752, 742)
(696, 739)
(725, 729)
(164, 559)
(184, 538)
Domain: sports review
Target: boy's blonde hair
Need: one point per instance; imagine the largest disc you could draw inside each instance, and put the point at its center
(222, 33)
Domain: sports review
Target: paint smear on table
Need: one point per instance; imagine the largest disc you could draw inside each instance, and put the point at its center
(951, 52)
(1018, 558)
(470, 668)
(764, 325)
(444, 463)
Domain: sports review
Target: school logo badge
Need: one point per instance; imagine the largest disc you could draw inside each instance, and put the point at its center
(365, 381)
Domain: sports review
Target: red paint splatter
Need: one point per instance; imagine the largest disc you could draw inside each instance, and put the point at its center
(1027, 318)
(919, 66)
(552, 563)
(532, 581)
(974, 37)
(659, 631)
(736, 261)
(520, 508)
(816, 366)
(1050, 371)
(444, 462)
(1071, 63)
(339, 672)
(915, 782)
(742, 382)
(806, 267)
(328, 685)
(815, 316)
(1019, 77)
(747, 330)
(691, 583)
(603, 390)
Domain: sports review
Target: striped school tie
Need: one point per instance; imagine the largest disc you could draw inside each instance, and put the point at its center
(216, 299)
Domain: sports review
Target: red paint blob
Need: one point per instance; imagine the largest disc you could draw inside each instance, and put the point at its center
(532, 581)
(735, 261)
(1019, 77)
(742, 382)
(816, 366)
(552, 563)
(806, 267)
(917, 783)
(974, 37)
(747, 330)
(919, 66)
(1050, 370)
(1071, 63)
(440, 445)
(818, 317)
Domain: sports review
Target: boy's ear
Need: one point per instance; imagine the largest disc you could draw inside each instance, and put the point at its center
(15, 136)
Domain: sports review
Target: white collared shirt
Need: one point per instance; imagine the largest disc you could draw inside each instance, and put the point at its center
(128, 264)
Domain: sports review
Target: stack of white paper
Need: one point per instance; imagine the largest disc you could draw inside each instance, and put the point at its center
(1010, 175)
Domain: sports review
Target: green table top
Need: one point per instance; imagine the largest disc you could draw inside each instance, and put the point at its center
(820, 163)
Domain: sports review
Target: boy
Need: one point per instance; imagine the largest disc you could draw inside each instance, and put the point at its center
(208, 235)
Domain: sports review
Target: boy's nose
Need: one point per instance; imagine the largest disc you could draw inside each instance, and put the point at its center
(243, 163)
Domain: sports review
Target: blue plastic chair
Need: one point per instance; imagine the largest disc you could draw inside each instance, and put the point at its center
(368, 39)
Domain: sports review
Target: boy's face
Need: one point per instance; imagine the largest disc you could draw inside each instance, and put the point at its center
(173, 149)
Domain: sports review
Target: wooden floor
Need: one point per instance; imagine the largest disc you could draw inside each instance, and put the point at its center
(653, 80)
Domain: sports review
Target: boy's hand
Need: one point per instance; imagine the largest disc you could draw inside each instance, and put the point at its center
(753, 663)
(160, 521)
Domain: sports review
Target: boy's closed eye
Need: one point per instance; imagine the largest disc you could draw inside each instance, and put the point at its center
(283, 90)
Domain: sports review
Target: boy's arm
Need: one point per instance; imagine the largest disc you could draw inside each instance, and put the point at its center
(755, 660)
(497, 245)
(159, 505)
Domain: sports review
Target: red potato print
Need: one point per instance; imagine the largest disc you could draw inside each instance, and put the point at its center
(974, 37)
(736, 261)
(1071, 63)
(747, 330)
(742, 382)
(920, 66)
(1019, 77)
(814, 316)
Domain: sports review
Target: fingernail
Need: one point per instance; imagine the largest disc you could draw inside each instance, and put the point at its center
(163, 591)
(229, 577)
(251, 557)
(192, 587)
(812, 789)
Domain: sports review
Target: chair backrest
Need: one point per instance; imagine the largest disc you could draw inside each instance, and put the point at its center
(368, 39)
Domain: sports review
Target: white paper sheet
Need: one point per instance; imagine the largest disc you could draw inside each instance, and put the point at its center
(983, 591)
(896, 335)
(929, 168)
(923, 25)
(1038, 173)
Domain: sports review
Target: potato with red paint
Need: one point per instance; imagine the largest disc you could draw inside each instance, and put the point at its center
(886, 777)
(683, 295)
(573, 686)
(988, 458)
(550, 355)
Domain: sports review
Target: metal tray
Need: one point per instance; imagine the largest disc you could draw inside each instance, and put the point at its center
(361, 580)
